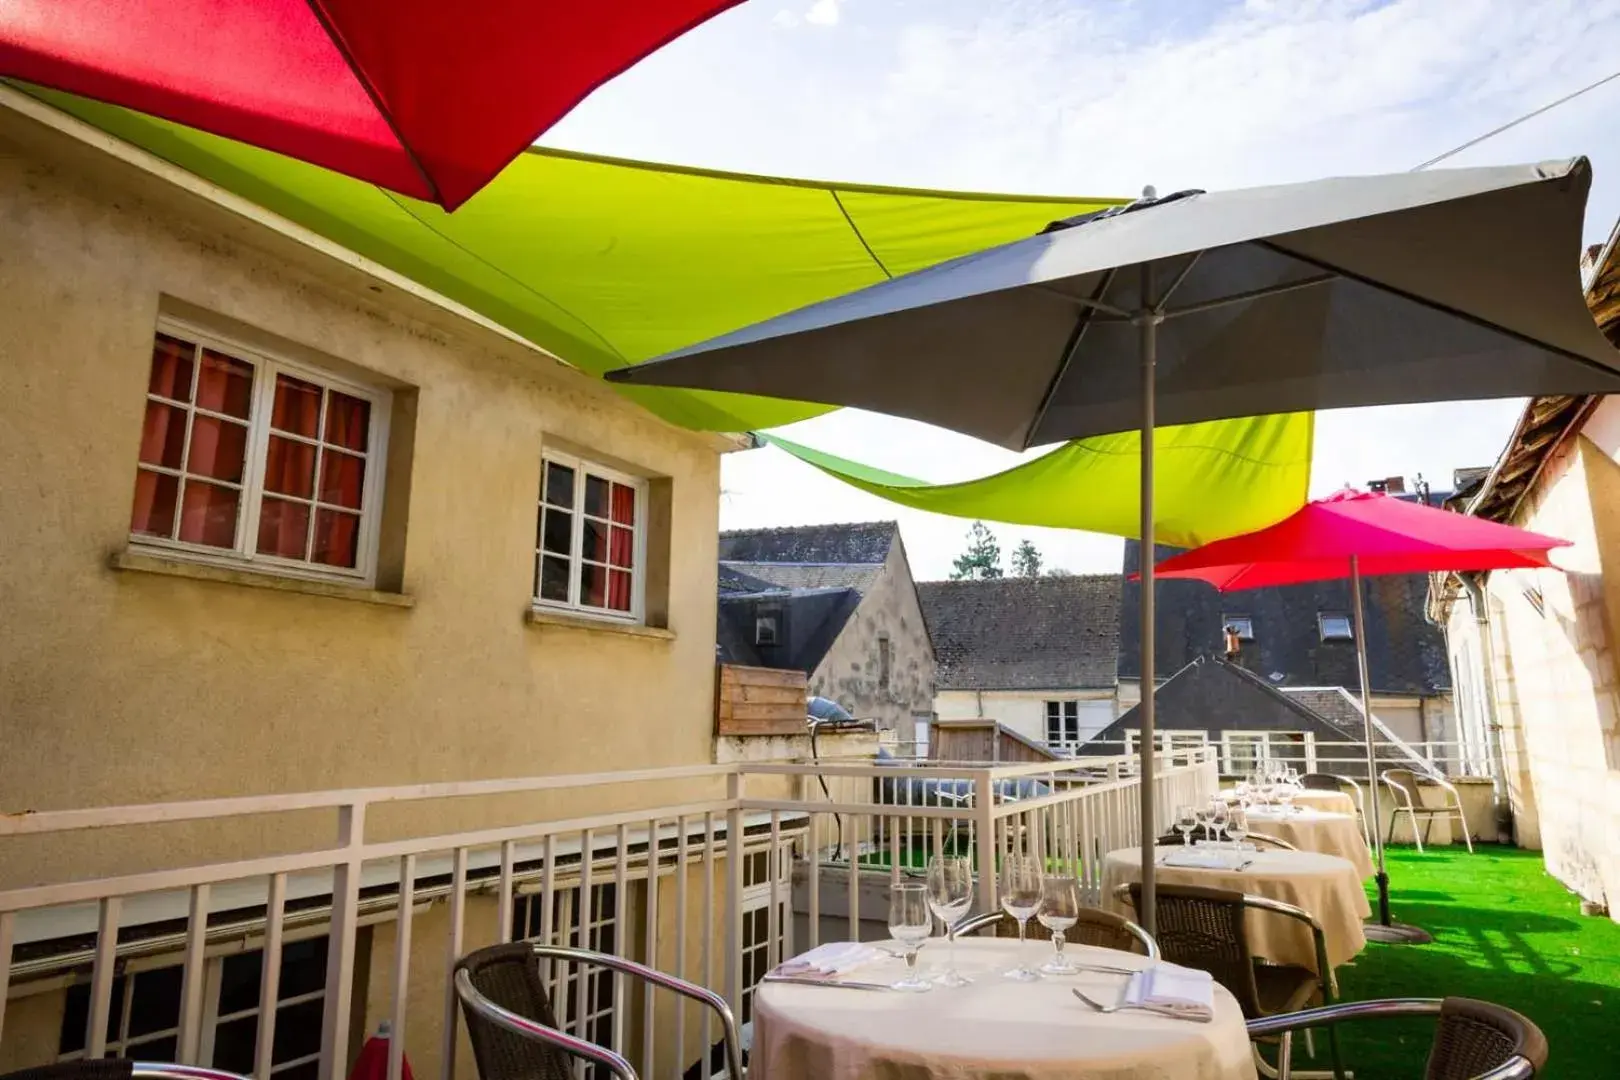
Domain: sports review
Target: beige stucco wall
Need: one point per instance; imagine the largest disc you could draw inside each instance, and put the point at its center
(119, 687)
(1559, 694)
(849, 673)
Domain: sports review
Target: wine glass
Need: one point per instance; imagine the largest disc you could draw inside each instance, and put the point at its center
(910, 924)
(1186, 822)
(1059, 910)
(1201, 816)
(1244, 793)
(1217, 817)
(1020, 896)
(1237, 825)
(950, 895)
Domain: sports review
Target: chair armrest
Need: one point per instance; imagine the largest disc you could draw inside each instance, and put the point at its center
(1405, 797)
(1333, 1014)
(532, 1029)
(977, 923)
(1324, 972)
(728, 1022)
(155, 1070)
(1274, 841)
(1140, 934)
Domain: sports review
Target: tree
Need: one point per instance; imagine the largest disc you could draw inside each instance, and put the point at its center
(1059, 572)
(1026, 559)
(982, 559)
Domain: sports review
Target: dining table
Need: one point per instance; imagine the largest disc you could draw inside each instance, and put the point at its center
(993, 1029)
(1333, 802)
(1309, 829)
(1327, 886)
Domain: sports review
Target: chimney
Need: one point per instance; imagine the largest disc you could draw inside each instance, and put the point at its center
(1390, 485)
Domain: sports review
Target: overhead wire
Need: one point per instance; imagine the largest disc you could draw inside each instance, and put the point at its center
(1516, 122)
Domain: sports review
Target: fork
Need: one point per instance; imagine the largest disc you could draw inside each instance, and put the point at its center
(1095, 1004)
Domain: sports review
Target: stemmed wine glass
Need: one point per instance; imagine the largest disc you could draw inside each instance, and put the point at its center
(950, 895)
(1217, 817)
(1186, 822)
(910, 924)
(1020, 897)
(1059, 910)
(1237, 825)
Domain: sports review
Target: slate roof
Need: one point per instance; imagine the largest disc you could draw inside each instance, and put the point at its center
(734, 580)
(1212, 696)
(1405, 653)
(808, 621)
(1051, 633)
(863, 542)
(858, 576)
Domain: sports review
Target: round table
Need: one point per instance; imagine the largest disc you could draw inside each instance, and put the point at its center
(995, 1028)
(1332, 802)
(1325, 885)
(1313, 830)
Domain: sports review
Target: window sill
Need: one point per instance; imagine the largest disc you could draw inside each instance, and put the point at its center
(546, 619)
(168, 566)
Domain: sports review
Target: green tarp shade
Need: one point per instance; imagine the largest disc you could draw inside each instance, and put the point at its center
(1213, 480)
(605, 262)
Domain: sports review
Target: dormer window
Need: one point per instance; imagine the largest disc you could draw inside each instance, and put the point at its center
(765, 629)
(1335, 627)
(1242, 625)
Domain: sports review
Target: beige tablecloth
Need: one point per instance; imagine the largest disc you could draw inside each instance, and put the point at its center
(1324, 885)
(1332, 802)
(994, 1028)
(1313, 830)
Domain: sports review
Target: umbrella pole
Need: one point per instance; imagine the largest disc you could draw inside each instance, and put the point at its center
(1384, 930)
(1147, 321)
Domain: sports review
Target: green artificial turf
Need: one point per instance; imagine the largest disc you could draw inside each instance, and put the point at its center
(1505, 931)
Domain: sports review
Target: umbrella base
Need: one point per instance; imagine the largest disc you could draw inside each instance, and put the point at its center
(1396, 934)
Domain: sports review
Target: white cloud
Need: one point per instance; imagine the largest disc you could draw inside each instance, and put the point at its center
(823, 13)
(785, 19)
(1102, 98)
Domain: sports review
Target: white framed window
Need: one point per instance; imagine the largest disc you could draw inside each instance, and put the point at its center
(756, 918)
(1243, 624)
(765, 629)
(1063, 725)
(249, 458)
(144, 1021)
(590, 543)
(1335, 627)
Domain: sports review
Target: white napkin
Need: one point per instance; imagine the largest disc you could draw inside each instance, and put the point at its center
(1172, 990)
(1206, 858)
(829, 960)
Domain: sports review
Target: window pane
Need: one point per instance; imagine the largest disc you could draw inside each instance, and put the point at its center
(593, 541)
(342, 479)
(283, 527)
(337, 538)
(557, 533)
(156, 1005)
(596, 496)
(225, 384)
(624, 504)
(298, 1030)
(619, 590)
(348, 421)
(208, 514)
(171, 368)
(218, 449)
(559, 489)
(165, 1049)
(234, 1043)
(239, 982)
(163, 435)
(297, 407)
(623, 548)
(155, 496)
(289, 467)
(554, 579)
(593, 585)
(303, 968)
(309, 1070)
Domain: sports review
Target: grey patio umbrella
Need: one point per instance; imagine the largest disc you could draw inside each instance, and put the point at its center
(1380, 290)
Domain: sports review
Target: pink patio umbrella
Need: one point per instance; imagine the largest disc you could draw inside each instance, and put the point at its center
(1360, 533)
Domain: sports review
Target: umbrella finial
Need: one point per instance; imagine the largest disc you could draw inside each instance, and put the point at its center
(1150, 192)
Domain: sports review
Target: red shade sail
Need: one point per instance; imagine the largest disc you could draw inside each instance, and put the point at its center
(1387, 535)
(426, 97)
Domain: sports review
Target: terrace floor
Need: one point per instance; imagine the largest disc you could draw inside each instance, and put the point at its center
(1505, 931)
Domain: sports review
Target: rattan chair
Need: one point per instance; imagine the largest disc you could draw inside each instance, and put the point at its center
(1474, 1040)
(1207, 929)
(1403, 784)
(118, 1069)
(1095, 926)
(514, 1032)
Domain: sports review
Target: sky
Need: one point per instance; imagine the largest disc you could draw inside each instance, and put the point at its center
(1101, 98)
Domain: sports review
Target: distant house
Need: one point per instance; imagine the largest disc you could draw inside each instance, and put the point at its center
(1300, 640)
(1039, 655)
(837, 602)
(1212, 702)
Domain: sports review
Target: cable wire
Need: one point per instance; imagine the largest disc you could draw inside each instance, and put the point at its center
(1515, 123)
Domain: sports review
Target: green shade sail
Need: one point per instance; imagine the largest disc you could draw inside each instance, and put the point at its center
(604, 262)
(1214, 480)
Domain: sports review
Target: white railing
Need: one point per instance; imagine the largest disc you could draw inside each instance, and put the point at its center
(677, 885)
(1343, 757)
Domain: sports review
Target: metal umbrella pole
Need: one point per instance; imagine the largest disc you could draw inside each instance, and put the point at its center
(1384, 930)
(1147, 321)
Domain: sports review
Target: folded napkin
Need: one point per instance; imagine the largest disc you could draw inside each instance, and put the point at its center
(1172, 990)
(828, 961)
(1224, 845)
(1207, 858)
